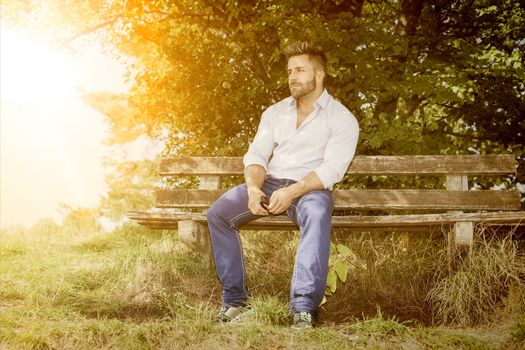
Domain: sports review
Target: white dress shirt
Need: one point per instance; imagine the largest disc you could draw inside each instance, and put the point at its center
(325, 142)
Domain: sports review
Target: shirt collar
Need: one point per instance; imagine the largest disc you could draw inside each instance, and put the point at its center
(322, 101)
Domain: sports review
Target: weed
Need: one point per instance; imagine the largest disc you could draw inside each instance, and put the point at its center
(378, 326)
(474, 293)
(270, 310)
(514, 302)
(269, 258)
(384, 271)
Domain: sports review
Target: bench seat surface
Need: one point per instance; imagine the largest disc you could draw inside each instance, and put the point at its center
(168, 219)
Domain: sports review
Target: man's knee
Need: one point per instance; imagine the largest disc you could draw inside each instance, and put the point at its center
(316, 208)
(227, 204)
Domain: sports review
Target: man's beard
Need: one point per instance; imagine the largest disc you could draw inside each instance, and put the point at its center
(301, 90)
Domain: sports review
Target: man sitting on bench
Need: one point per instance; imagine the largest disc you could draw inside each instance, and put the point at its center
(311, 139)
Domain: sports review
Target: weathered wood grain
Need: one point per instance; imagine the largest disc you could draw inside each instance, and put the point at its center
(361, 165)
(168, 219)
(370, 199)
(209, 182)
(455, 199)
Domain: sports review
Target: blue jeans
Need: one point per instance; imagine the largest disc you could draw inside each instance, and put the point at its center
(312, 212)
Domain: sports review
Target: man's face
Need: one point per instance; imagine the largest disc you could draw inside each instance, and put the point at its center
(301, 76)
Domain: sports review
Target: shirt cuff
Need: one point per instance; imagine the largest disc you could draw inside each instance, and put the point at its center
(327, 175)
(254, 159)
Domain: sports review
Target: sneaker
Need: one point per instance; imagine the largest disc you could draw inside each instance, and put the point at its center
(231, 314)
(303, 320)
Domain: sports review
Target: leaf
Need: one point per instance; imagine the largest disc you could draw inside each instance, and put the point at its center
(341, 269)
(344, 250)
(331, 281)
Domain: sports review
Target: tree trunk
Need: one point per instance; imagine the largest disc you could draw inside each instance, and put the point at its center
(406, 26)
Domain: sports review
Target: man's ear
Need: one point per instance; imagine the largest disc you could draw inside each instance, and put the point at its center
(319, 75)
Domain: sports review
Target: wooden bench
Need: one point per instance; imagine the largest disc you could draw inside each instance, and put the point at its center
(453, 206)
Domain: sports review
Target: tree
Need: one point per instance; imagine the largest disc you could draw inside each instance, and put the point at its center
(442, 76)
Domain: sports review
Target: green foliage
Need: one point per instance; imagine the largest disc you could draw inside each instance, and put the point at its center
(125, 124)
(80, 220)
(344, 250)
(441, 76)
(422, 77)
(331, 282)
(340, 263)
(338, 269)
(341, 269)
(131, 187)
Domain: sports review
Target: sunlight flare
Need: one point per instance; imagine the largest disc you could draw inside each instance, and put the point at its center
(33, 72)
(51, 142)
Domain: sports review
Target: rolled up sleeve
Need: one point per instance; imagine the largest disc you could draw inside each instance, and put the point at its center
(262, 146)
(340, 150)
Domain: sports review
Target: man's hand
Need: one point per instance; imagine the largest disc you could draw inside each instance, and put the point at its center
(254, 201)
(280, 201)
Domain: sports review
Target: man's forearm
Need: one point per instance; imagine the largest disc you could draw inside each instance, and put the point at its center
(254, 176)
(310, 182)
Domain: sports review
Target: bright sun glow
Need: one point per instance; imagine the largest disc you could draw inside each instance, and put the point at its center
(34, 78)
(51, 142)
(33, 72)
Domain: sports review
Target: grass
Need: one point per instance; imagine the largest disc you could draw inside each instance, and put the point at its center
(136, 288)
(389, 272)
(480, 285)
(518, 331)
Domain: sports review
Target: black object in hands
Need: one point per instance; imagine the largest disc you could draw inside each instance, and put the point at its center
(265, 203)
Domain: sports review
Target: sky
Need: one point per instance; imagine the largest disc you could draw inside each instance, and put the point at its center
(51, 142)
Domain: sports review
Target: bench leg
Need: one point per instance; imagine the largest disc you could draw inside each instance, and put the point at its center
(194, 235)
(460, 239)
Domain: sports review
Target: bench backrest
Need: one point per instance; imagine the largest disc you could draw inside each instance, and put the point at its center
(456, 196)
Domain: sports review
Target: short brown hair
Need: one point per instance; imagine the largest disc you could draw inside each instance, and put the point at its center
(314, 53)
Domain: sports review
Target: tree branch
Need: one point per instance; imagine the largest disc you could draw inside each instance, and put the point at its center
(471, 137)
(412, 104)
(409, 16)
(91, 30)
(258, 67)
(204, 17)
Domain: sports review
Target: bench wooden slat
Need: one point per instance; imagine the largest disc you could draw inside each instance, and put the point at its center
(361, 165)
(184, 210)
(371, 199)
(168, 218)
